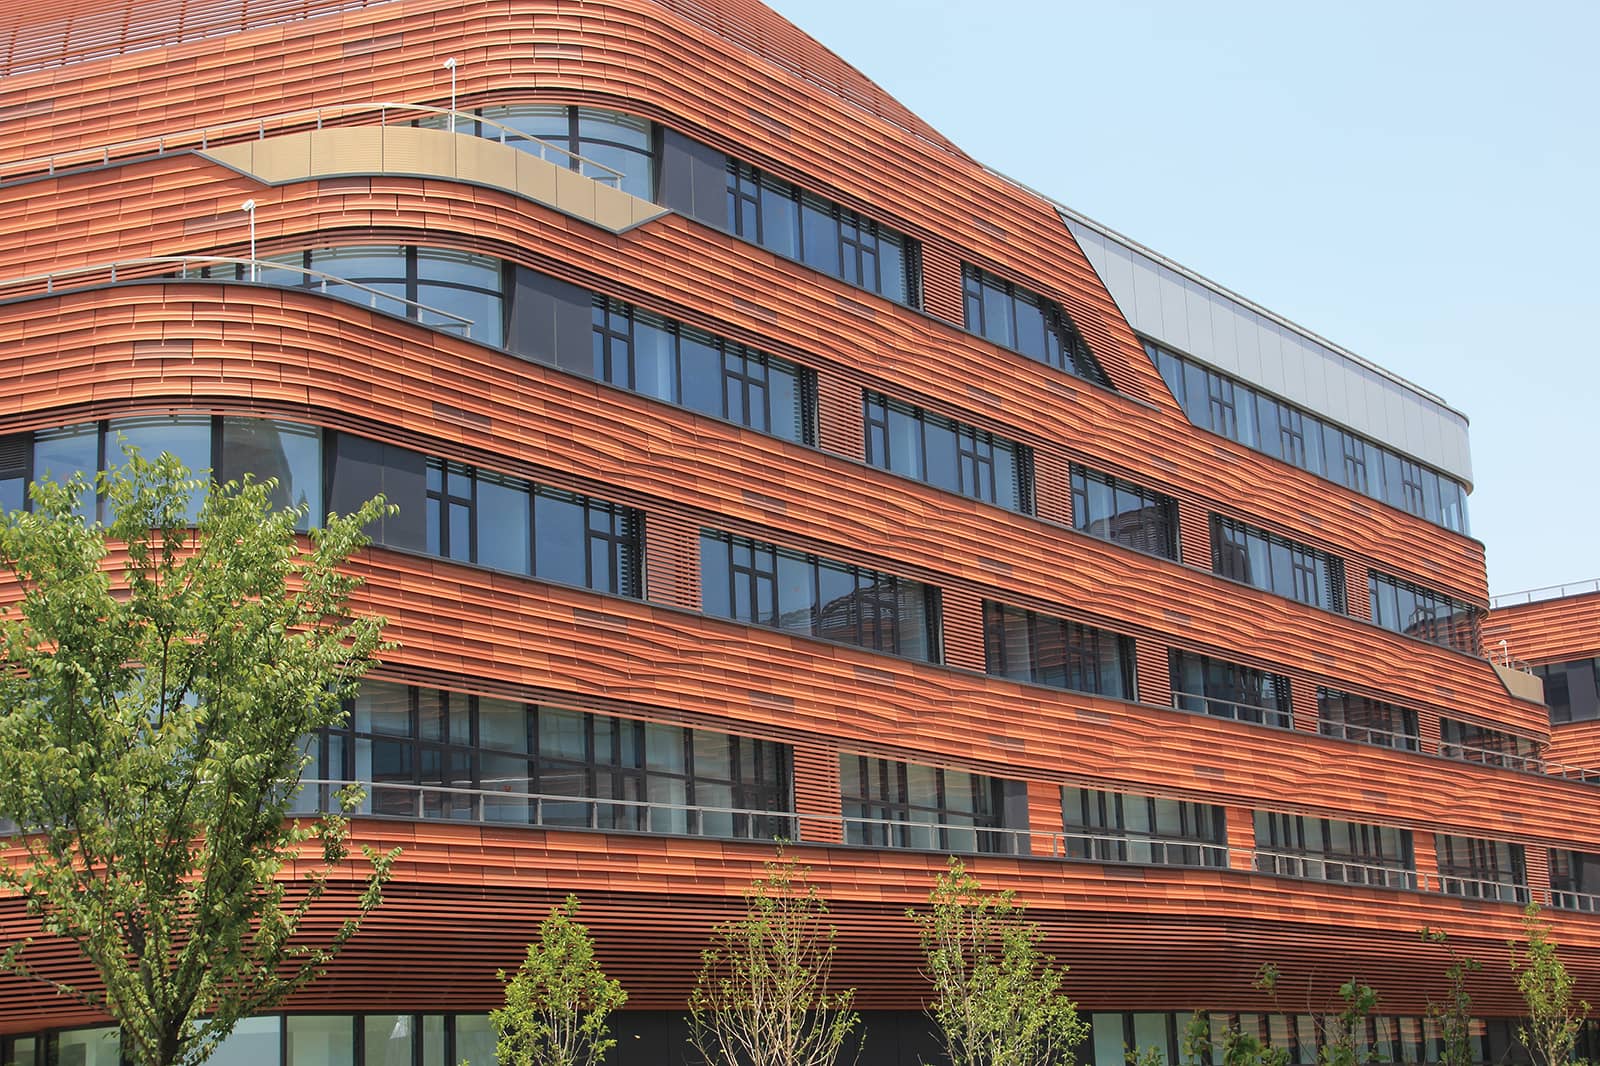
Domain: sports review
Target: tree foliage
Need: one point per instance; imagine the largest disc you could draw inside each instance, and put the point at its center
(558, 1002)
(1555, 1017)
(1454, 1015)
(1237, 1047)
(997, 998)
(763, 996)
(157, 680)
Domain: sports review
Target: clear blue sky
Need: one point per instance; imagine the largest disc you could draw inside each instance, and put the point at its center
(1417, 182)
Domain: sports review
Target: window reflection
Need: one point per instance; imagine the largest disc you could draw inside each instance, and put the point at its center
(1025, 646)
(946, 453)
(1124, 513)
(1039, 328)
(902, 805)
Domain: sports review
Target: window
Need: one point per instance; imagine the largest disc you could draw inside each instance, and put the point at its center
(902, 805)
(1124, 513)
(428, 753)
(946, 453)
(834, 240)
(1470, 742)
(1216, 402)
(1117, 827)
(619, 142)
(646, 353)
(1276, 564)
(1574, 880)
(1572, 690)
(1226, 690)
(1036, 648)
(1481, 869)
(1370, 721)
(761, 584)
(1417, 612)
(1026, 322)
(1327, 849)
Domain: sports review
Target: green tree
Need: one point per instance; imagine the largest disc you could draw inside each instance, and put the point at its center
(1554, 1016)
(1343, 1032)
(158, 678)
(1238, 1047)
(762, 996)
(558, 1002)
(997, 999)
(1454, 1015)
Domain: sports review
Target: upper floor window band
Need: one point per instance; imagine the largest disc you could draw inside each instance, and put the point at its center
(1026, 646)
(1216, 402)
(1277, 564)
(1417, 612)
(1124, 513)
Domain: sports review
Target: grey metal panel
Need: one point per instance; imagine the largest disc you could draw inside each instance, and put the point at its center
(1199, 318)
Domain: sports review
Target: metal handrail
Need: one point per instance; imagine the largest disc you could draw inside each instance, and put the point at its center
(160, 267)
(1505, 759)
(1123, 843)
(1575, 901)
(1480, 888)
(1305, 867)
(1273, 716)
(1392, 739)
(256, 129)
(1546, 592)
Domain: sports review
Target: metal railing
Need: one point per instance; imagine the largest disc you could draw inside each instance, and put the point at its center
(1137, 849)
(163, 268)
(311, 118)
(1315, 868)
(1547, 592)
(1366, 734)
(1510, 760)
(1239, 711)
(1478, 888)
(1575, 901)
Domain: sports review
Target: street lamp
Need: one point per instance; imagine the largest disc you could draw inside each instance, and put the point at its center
(249, 208)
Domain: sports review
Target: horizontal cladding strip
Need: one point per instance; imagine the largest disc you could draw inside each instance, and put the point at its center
(1546, 631)
(1153, 931)
(898, 351)
(280, 347)
(511, 634)
(1577, 744)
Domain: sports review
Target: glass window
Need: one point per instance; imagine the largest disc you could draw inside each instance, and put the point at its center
(1025, 646)
(1222, 689)
(827, 237)
(60, 454)
(1326, 849)
(1039, 328)
(1481, 869)
(1370, 721)
(287, 451)
(1124, 513)
(945, 453)
(319, 1040)
(761, 584)
(186, 437)
(1113, 827)
(904, 805)
(1421, 613)
(1276, 564)
(658, 357)
(253, 1041)
(475, 1039)
(89, 1047)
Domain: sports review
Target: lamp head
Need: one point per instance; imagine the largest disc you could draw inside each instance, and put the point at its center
(248, 205)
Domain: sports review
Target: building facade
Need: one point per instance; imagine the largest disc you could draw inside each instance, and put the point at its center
(769, 468)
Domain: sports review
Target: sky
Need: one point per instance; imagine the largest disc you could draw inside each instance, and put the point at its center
(1415, 181)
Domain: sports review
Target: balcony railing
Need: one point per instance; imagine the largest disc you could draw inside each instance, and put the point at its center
(1533, 764)
(1477, 888)
(1316, 868)
(1137, 849)
(1575, 901)
(1366, 734)
(1547, 592)
(1217, 707)
(161, 267)
(365, 113)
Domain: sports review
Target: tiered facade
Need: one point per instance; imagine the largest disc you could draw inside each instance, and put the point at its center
(769, 468)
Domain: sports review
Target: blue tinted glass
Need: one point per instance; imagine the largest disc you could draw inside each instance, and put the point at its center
(892, 268)
(997, 316)
(186, 437)
(715, 595)
(796, 595)
(560, 541)
(939, 440)
(287, 451)
(785, 402)
(58, 454)
(821, 235)
(655, 358)
(701, 372)
(503, 541)
(780, 223)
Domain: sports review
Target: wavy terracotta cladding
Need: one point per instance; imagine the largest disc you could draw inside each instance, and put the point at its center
(297, 344)
(894, 350)
(1559, 630)
(735, 76)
